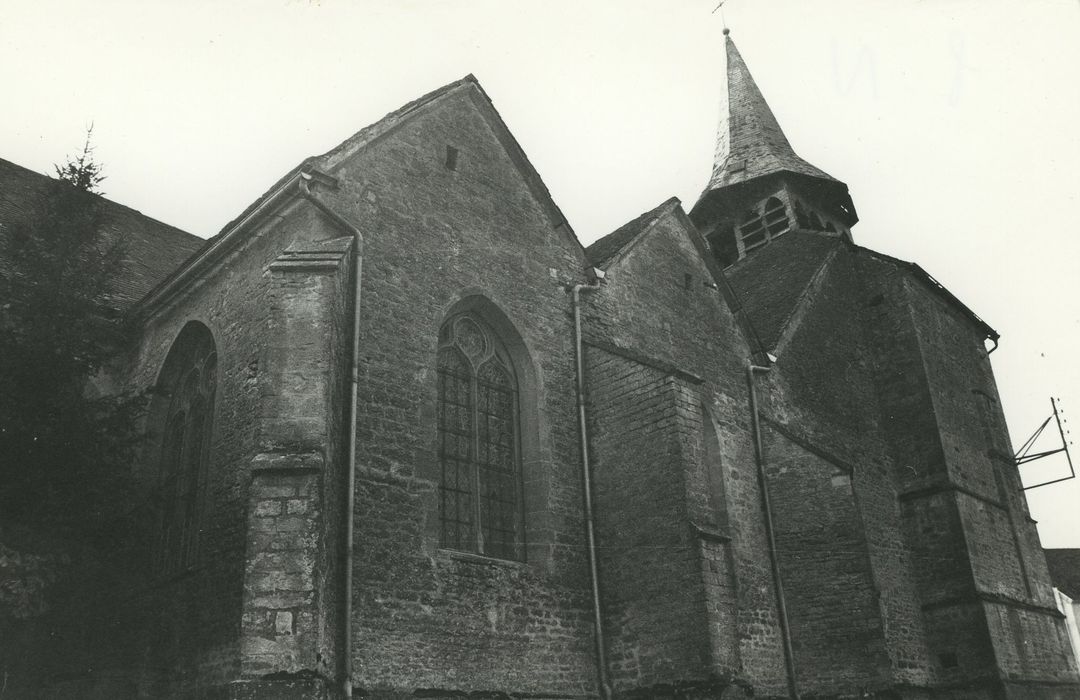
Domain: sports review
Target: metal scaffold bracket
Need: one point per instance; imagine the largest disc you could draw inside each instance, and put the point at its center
(1025, 455)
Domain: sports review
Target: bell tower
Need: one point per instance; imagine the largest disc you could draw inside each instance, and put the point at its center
(760, 188)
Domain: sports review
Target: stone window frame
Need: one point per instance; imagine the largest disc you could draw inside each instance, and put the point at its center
(533, 463)
(182, 420)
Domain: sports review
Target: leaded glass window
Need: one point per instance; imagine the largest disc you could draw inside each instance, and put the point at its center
(480, 490)
(189, 381)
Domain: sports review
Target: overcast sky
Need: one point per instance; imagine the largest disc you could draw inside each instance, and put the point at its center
(954, 123)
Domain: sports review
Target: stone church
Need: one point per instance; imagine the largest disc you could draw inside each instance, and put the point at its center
(411, 439)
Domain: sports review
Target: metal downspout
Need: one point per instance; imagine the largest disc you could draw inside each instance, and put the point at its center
(781, 603)
(350, 423)
(586, 479)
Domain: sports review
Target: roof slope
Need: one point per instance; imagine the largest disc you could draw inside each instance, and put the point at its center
(771, 282)
(152, 249)
(603, 250)
(750, 143)
(1064, 566)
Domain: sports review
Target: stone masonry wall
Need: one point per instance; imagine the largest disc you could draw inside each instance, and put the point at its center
(651, 568)
(280, 615)
(658, 305)
(444, 235)
(291, 621)
(836, 622)
(823, 394)
(1009, 573)
(964, 512)
(185, 631)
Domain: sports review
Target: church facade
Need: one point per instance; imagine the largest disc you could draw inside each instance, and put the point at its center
(411, 439)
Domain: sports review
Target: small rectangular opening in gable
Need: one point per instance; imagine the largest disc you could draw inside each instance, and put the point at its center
(451, 158)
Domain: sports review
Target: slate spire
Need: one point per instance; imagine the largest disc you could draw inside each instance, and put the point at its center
(750, 142)
(754, 158)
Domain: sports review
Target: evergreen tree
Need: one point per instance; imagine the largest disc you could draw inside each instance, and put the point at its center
(64, 446)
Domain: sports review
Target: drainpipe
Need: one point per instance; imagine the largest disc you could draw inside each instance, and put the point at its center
(354, 382)
(586, 479)
(774, 561)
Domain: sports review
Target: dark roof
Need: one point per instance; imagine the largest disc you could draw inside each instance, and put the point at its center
(1064, 565)
(152, 249)
(750, 143)
(771, 282)
(604, 250)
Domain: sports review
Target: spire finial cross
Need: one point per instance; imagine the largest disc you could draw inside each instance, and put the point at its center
(720, 7)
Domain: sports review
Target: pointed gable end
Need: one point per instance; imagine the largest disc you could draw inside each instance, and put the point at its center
(289, 187)
(470, 88)
(606, 250)
(610, 252)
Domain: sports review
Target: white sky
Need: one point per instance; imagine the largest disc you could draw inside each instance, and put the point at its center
(954, 122)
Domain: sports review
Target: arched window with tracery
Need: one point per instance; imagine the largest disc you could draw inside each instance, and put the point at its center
(480, 491)
(185, 394)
